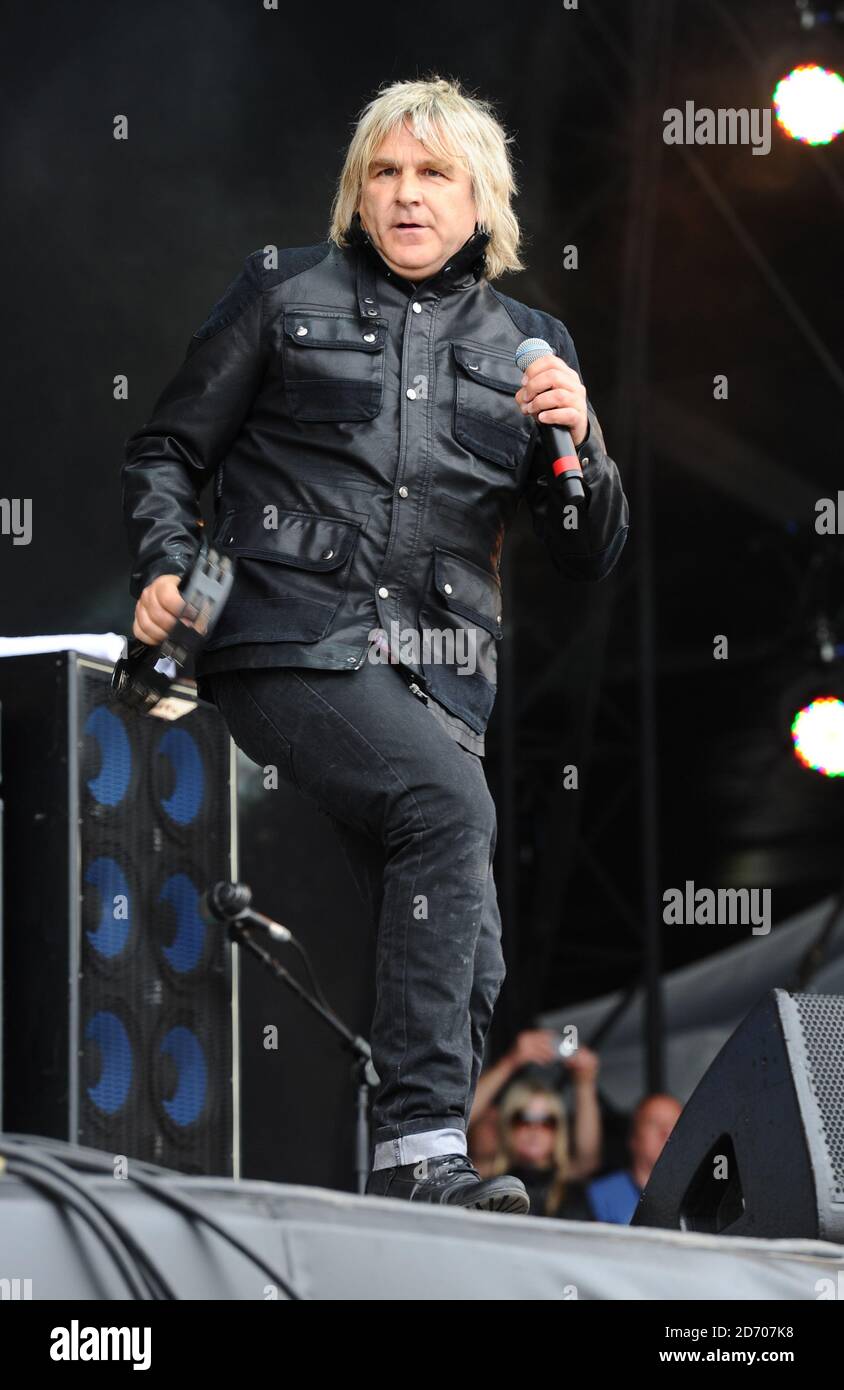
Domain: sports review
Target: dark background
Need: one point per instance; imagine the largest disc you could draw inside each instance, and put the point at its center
(114, 252)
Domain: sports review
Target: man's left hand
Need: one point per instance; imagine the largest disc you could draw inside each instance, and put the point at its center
(554, 394)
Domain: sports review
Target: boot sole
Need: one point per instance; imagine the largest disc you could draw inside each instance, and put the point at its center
(515, 1202)
(502, 1199)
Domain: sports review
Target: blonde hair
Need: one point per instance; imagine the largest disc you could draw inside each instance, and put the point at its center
(453, 125)
(517, 1097)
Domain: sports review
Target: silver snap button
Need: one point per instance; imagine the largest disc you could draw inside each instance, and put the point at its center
(372, 313)
(417, 308)
(301, 330)
(447, 588)
(474, 366)
(328, 554)
(402, 492)
(369, 301)
(411, 394)
(383, 593)
(369, 337)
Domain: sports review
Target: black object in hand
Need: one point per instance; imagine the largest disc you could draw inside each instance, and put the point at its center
(146, 673)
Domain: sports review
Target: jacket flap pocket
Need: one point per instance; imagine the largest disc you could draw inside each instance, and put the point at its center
(309, 328)
(298, 538)
(499, 372)
(468, 590)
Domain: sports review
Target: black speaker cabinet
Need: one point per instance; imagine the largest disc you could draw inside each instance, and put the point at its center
(759, 1148)
(120, 1019)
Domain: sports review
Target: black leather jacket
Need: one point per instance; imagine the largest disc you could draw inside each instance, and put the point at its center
(367, 456)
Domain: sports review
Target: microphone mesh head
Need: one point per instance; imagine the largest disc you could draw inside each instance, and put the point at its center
(226, 900)
(529, 350)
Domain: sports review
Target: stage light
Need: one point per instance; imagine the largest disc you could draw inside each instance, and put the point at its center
(809, 103)
(818, 734)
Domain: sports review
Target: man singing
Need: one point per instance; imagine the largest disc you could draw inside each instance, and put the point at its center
(370, 437)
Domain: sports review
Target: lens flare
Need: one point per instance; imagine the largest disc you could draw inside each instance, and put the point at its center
(809, 103)
(818, 734)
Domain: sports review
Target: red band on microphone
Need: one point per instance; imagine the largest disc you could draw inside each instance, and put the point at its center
(566, 464)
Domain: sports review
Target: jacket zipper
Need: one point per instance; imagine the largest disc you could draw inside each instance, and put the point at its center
(417, 691)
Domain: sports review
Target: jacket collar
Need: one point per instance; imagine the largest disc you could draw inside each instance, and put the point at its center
(463, 269)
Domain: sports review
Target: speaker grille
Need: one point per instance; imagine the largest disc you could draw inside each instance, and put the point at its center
(822, 1021)
(155, 1011)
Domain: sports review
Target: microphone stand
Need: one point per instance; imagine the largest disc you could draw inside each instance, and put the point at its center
(364, 1074)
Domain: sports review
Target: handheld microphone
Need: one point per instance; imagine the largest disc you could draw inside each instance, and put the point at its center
(560, 451)
(230, 902)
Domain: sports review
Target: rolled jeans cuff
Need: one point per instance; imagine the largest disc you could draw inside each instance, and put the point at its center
(411, 1148)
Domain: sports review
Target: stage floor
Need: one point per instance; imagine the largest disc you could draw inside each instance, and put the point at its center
(330, 1245)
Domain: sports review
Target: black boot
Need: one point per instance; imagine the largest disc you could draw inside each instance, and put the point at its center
(450, 1179)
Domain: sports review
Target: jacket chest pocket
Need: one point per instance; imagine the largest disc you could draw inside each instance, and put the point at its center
(333, 365)
(487, 420)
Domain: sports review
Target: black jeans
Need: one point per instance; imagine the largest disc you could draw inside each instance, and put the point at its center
(417, 822)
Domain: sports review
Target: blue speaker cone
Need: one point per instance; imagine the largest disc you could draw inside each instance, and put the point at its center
(117, 1065)
(184, 952)
(111, 782)
(113, 929)
(188, 1100)
(185, 759)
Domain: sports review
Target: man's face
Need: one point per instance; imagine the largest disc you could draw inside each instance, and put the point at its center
(654, 1123)
(417, 208)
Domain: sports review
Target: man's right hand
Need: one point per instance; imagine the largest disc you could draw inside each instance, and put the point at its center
(157, 609)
